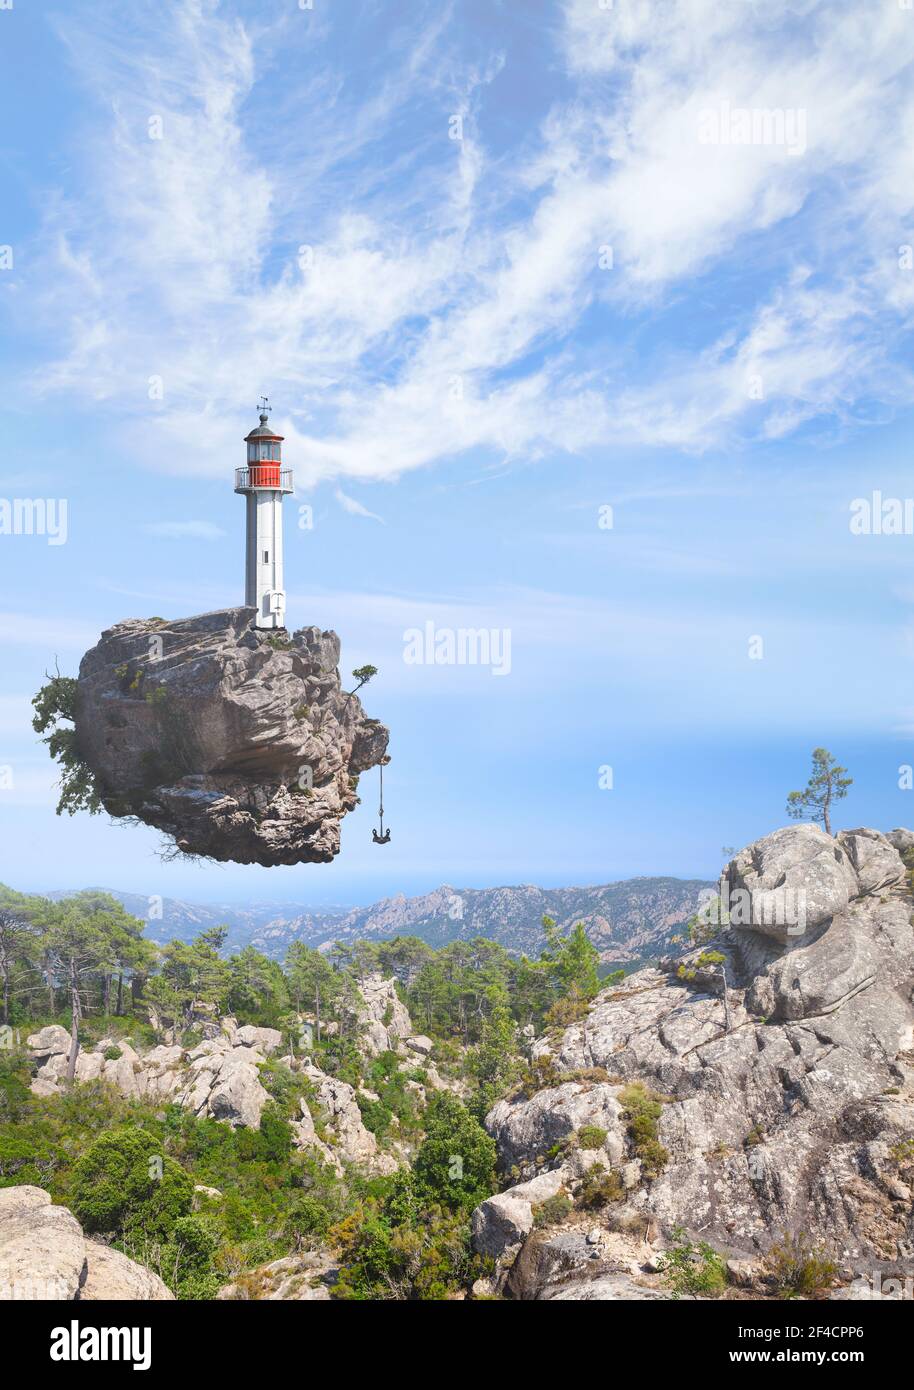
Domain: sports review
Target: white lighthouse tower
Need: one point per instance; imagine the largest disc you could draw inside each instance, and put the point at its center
(263, 482)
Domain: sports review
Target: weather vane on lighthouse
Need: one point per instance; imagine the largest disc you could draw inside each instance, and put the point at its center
(263, 483)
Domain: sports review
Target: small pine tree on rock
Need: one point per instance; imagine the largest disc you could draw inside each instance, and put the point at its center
(828, 783)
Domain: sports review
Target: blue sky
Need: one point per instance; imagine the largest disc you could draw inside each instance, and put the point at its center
(205, 201)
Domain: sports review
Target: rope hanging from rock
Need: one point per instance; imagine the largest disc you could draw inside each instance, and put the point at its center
(382, 838)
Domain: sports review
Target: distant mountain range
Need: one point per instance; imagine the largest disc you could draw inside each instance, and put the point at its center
(629, 922)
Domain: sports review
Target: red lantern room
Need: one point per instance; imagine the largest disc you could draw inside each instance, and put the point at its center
(264, 456)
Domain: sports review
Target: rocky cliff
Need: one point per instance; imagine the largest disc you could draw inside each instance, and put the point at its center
(221, 1077)
(238, 744)
(795, 1114)
(45, 1255)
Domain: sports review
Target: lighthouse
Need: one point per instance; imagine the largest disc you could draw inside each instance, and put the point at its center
(263, 482)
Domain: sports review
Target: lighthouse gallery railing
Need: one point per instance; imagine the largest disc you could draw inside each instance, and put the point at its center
(263, 475)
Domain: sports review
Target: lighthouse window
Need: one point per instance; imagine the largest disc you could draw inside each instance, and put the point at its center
(266, 557)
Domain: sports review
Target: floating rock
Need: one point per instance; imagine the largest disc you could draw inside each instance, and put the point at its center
(238, 744)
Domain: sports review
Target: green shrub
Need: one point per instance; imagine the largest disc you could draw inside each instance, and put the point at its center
(542, 1074)
(600, 1187)
(800, 1268)
(455, 1164)
(692, 1269)
(187, 1259)
(643, 1108)
(638, 1101)
(552, 1210)
(272, 1142)
(591, 1137)
(123, 1182)
(376, 1116)
(308, 1219)
(113, 1053)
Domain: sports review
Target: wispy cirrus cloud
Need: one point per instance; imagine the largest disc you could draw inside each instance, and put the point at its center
(354, 507)
(599, 277)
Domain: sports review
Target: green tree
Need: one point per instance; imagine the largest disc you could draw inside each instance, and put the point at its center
(55, 709)
(455, 1165)
(123, 1183)
(80, 943)
(128, 950)
(256, 987)
(186, 1261)
(572, 960)
(19, 941)
(404, 957)
(828, 783)
(494, 1062)
(192, 973)
(363, 675)
(312, 980)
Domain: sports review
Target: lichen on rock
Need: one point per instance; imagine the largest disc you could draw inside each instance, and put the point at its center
(238, 744)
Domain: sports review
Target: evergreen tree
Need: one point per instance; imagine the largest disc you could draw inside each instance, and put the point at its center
(827, 784)
(571, 960)
(191, 973)
(312, 981)
(19, 944)
(455, 1165)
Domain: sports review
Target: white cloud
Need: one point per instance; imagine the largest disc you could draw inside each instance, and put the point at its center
(438, 309)
(355, 508)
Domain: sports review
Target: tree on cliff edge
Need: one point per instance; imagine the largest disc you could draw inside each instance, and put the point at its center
(827, 784)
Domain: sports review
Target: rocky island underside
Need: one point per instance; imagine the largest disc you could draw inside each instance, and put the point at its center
(239, 744)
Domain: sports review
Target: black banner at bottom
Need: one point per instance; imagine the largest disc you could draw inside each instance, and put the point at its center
(65, 1340)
